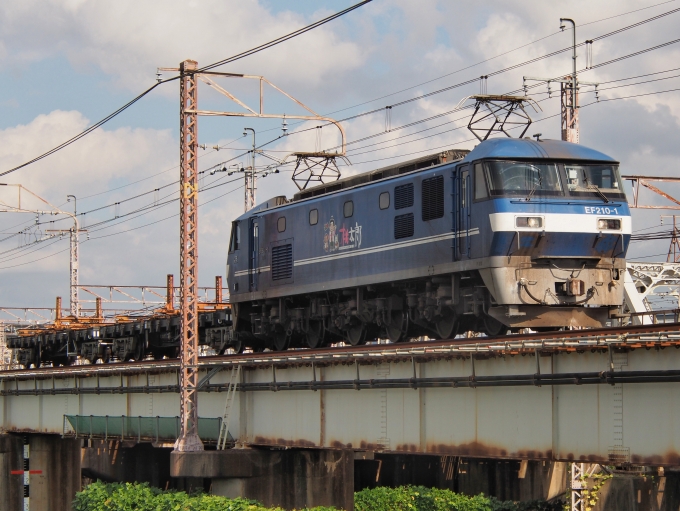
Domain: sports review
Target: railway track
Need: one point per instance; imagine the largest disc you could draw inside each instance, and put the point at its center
(658, 336)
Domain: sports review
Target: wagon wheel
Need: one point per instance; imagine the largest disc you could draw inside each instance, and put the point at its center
(447, 326)
(138, 353)
(281, 341)
(37, 358)
(356, 334)
(315, 334)
(397, 327)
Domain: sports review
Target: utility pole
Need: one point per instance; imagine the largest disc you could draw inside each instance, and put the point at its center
(674, 247)
(250, 177)
(73, 235)
(74, 266)
(569, 94)
(188, 440)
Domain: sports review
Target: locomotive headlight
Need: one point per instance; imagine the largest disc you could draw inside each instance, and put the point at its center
(611, 224)
(533, 222)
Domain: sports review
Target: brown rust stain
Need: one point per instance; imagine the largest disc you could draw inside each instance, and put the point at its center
(282, 442)
(475, 450)
(669, 458)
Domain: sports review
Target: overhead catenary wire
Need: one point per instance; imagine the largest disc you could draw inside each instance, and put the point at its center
(233, 58)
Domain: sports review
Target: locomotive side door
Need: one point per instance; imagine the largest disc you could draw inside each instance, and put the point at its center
(253, 250)
(462, 201)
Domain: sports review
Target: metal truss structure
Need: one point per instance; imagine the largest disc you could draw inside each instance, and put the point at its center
(646, 182)
(146, 296)
(649, 281)
(499, 114)
(190, 75)
(579, 474)
(569, 101)
(320, 166)
(73, 232)
(188, 235)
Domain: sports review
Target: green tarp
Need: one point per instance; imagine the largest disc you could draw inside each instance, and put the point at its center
(136, 428)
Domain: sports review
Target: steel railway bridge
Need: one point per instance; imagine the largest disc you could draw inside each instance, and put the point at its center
(591, 396)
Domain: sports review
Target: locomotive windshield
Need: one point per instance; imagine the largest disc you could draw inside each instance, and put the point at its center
(523, 178)
(585, 180)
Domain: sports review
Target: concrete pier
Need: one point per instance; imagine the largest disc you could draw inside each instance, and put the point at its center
(11, 484)
(294, 478)
(54, 466)
(43, 468)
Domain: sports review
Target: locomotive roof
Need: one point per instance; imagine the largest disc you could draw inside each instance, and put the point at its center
(501, 148)
(384, 172)
(528, 148)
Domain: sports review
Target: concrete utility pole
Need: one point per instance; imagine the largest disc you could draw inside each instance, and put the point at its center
(250, 177)
(188, 234)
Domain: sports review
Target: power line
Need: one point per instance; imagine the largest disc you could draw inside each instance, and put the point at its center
(234, 58)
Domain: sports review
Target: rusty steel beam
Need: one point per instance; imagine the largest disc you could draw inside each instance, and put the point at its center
(637, 181)
(188, 438)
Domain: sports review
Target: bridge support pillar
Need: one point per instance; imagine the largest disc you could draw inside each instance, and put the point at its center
(295, 478)
(11, 484)
(54, 472)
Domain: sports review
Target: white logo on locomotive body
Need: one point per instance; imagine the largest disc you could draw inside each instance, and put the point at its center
(342, 238)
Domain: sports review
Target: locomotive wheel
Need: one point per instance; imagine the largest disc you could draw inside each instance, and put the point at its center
(356, 335)
(281, 341)
(314, 334)
(237, 346)
(447, 327)
(493, 327)
(397, 327)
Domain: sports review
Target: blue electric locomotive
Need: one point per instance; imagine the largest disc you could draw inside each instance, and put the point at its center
(515, 233)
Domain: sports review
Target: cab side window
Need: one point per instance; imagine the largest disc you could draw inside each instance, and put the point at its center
(235, 240)
(480, 182)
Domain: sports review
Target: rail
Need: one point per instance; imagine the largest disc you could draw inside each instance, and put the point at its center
(659, 336)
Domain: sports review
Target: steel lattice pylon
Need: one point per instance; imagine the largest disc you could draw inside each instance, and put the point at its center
(188, 438)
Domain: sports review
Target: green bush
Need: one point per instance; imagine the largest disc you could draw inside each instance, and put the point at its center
(418, 498)
(142, 497)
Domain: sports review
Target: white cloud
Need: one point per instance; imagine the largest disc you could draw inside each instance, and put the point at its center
(128, 39)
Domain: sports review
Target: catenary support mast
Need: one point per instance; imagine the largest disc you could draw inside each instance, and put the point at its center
(188, 439)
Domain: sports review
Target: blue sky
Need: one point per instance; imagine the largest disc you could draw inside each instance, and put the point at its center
(68, 63)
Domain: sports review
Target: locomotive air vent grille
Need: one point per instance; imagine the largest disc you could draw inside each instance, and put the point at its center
(433, 198)
(282, 262)
(403, 226)
(403, 196)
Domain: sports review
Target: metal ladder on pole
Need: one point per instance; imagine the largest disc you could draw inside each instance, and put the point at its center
(231, 394)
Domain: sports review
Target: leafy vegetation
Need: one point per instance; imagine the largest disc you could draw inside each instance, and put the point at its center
(142, 497)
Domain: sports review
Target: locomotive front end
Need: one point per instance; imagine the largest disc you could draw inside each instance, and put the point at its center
(559, 231)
